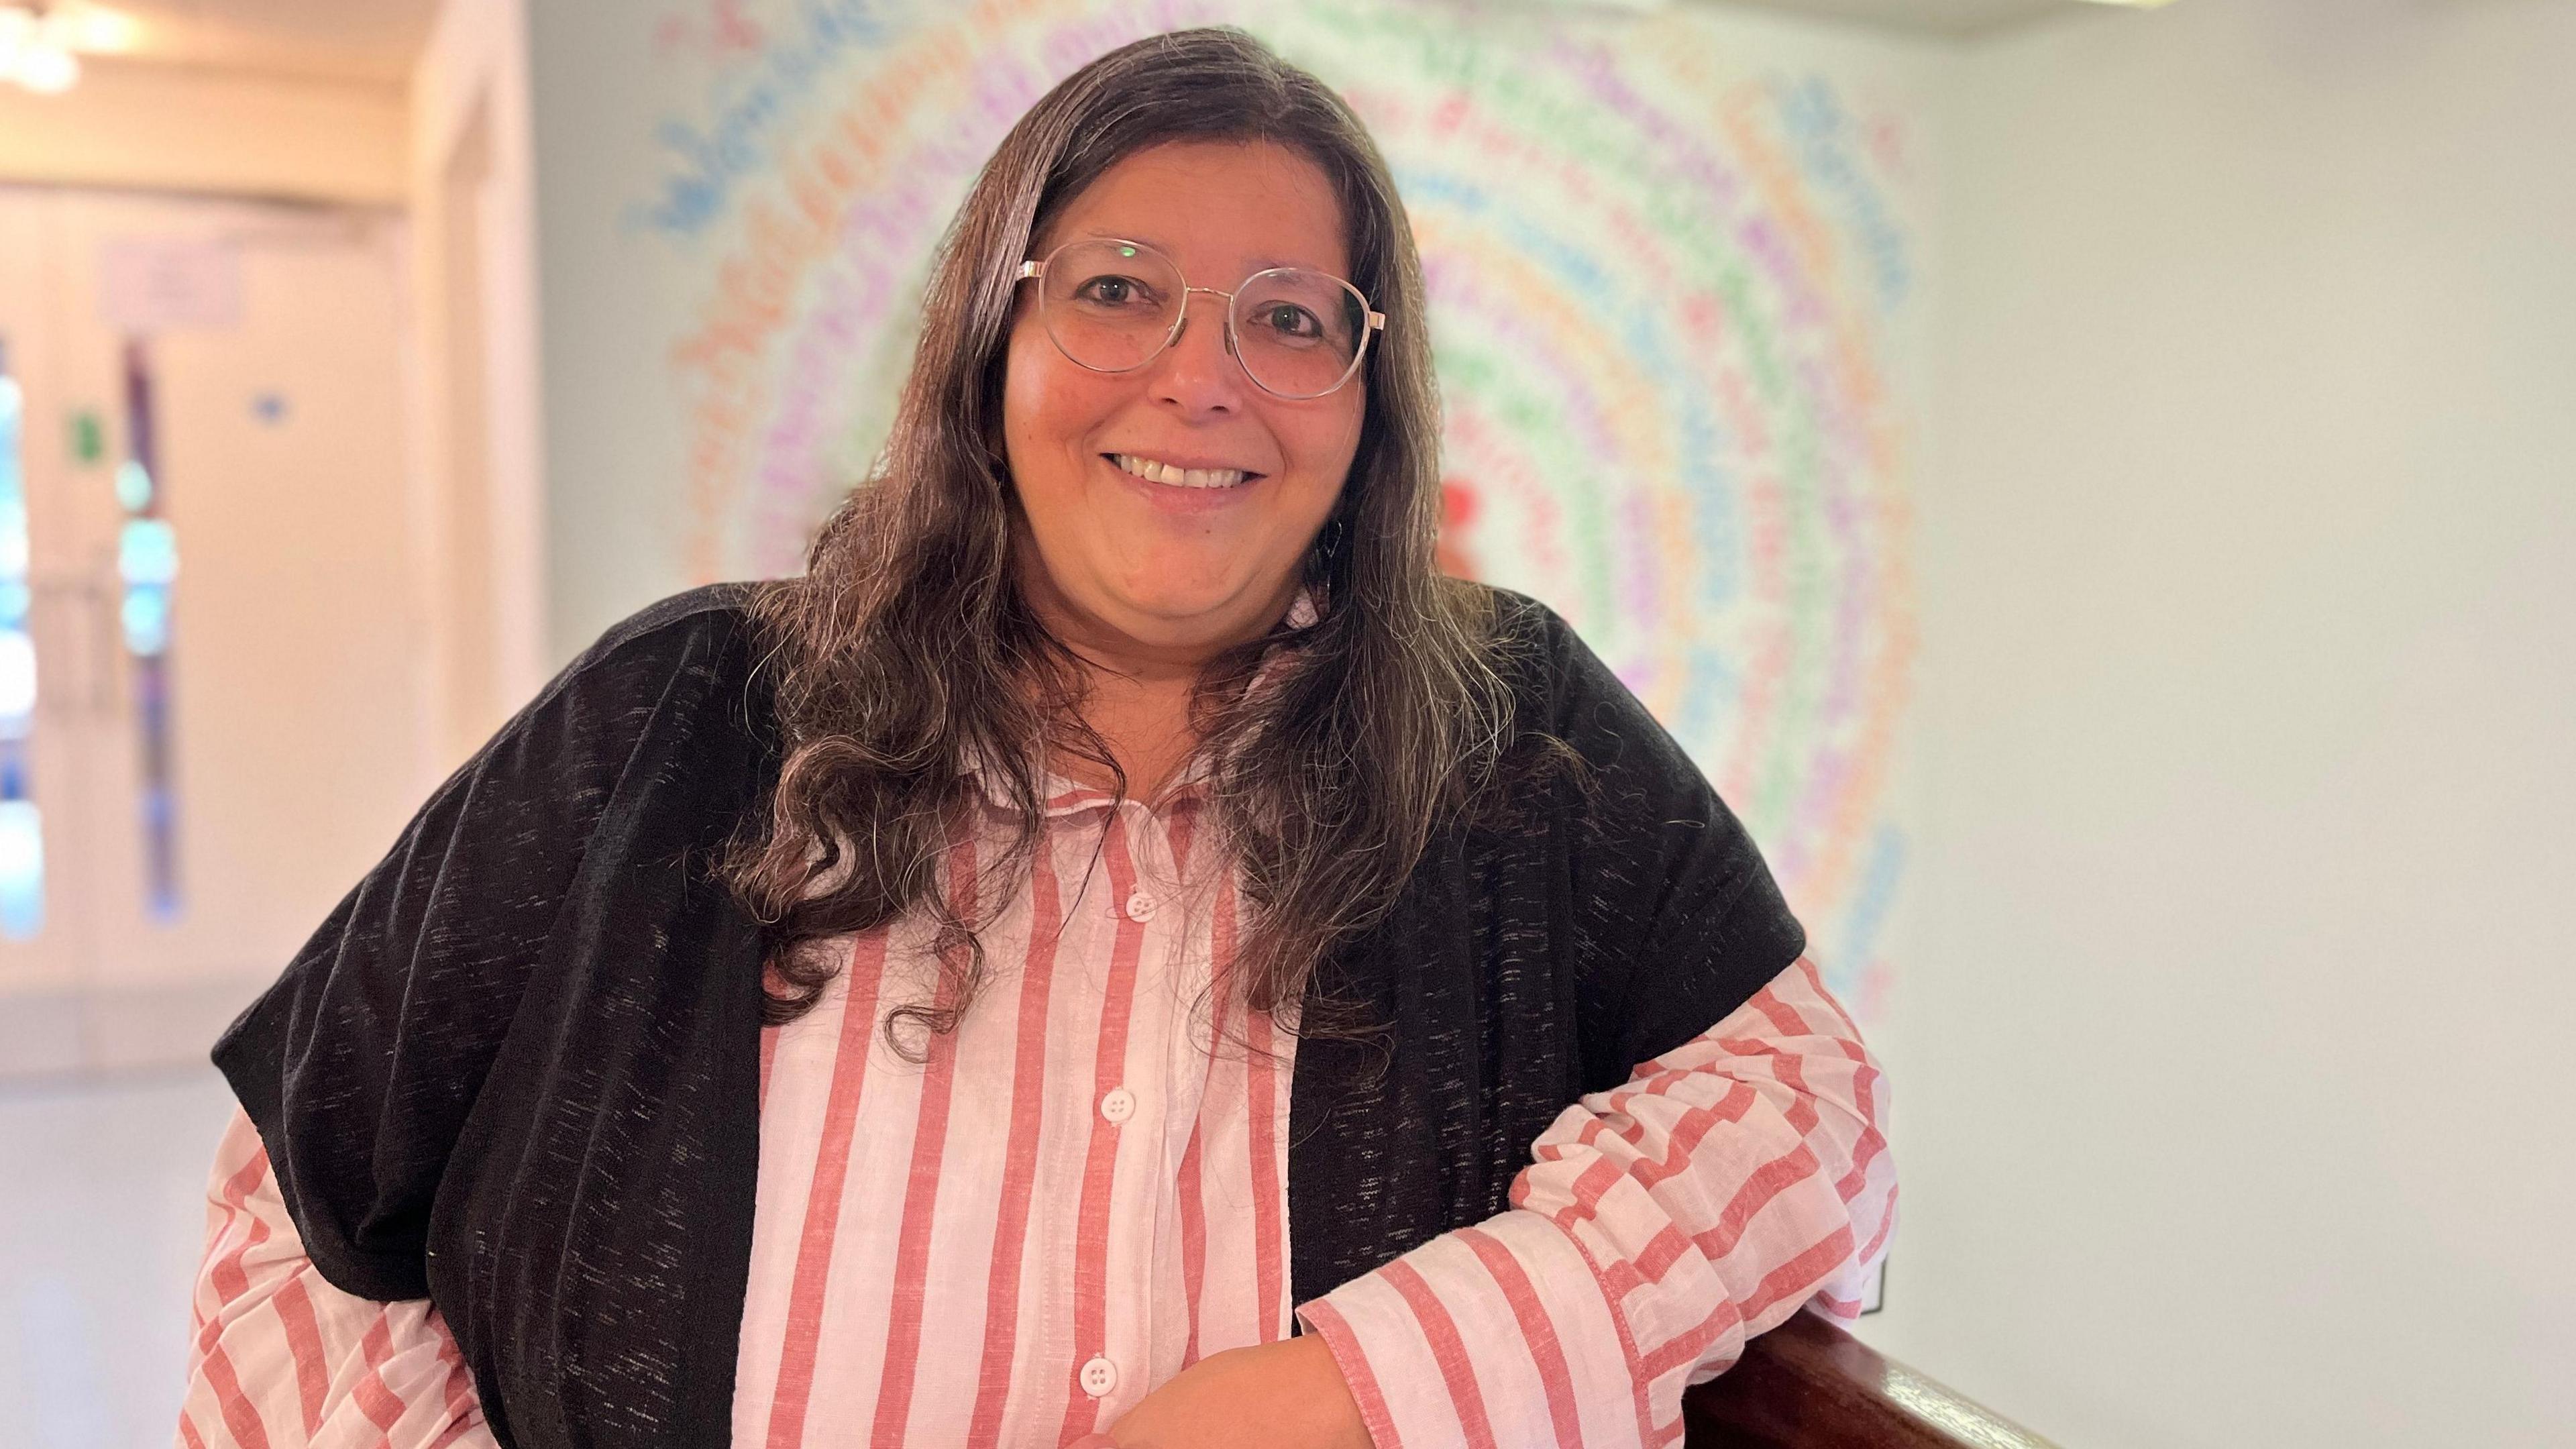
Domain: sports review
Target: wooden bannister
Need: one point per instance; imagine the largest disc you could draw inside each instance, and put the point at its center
(1809, 1385)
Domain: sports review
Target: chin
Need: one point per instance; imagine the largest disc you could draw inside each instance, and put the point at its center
(1178, 616)
(1183, 611)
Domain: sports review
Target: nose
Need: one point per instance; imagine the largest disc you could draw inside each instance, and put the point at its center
(1196, 373)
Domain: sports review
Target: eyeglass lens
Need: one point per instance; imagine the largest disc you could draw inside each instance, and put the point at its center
(1111, 307)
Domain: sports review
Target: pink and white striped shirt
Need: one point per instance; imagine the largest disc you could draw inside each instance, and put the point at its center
(1083, 1190)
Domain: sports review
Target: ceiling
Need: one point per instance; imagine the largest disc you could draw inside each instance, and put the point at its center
(1936, 17)
(356, 39)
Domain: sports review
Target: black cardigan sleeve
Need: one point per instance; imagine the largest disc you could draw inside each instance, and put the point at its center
(1677, 919)
(360, 1065)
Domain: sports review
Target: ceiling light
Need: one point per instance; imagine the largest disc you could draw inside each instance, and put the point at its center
(46, 69)
(41, 45)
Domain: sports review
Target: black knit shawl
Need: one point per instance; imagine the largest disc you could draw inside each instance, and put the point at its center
(516, 1070)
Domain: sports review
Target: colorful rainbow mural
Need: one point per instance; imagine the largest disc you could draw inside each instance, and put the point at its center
(1665, 286)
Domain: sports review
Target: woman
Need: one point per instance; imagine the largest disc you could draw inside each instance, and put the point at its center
(1119, 948)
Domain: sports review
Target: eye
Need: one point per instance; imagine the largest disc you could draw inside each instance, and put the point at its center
(1112, 290)
(1287, 319)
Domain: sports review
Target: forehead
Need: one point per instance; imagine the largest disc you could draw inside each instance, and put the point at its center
(1220, 209)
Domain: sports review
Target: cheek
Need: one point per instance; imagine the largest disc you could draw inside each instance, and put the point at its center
(1026, 404)
(1326, 442)
(1045, 417)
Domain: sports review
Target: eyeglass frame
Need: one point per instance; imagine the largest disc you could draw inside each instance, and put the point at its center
(1037, 268)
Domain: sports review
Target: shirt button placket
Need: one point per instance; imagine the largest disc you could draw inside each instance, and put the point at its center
(1099, 1374)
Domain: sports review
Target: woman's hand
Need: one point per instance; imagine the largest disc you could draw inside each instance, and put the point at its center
(1284, 1395)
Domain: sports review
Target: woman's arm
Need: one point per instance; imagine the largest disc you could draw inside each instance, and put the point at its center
(1730, 1181)
(278, 1357)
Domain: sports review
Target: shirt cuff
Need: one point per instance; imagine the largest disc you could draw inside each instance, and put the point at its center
(1497, 1334)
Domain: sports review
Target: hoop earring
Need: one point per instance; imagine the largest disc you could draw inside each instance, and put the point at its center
(1329, 542)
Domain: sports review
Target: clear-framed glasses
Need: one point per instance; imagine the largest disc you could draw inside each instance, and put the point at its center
(1113, 305)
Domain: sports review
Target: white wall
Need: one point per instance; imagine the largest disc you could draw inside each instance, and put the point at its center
(614, 444)
(479, 473)
(2236, 1062)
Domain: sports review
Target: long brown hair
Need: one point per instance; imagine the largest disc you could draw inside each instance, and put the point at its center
(906, 651)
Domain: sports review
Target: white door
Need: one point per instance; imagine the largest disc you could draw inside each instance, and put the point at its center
(221, 384)
(44, 632)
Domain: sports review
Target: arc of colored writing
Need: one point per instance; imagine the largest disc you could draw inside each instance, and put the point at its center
(1661, 291)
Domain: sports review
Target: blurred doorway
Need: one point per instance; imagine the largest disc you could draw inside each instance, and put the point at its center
(215, 629)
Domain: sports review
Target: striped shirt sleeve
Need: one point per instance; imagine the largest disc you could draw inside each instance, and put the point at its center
(280, 1358)
(1728, 1183)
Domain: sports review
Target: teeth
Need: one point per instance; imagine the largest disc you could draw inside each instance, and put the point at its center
(1165, 473)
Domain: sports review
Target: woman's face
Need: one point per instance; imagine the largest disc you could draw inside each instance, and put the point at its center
(1164, 566)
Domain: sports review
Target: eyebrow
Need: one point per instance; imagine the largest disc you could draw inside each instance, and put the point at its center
(1259, 264)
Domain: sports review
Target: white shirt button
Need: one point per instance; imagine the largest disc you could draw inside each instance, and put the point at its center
(1119, 1105)
(1140, 907)
(1099, 1378)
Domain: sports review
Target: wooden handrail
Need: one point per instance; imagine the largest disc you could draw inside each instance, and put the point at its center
(1809, 1385)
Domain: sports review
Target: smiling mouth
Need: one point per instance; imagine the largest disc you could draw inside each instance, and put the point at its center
(1166, 474)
